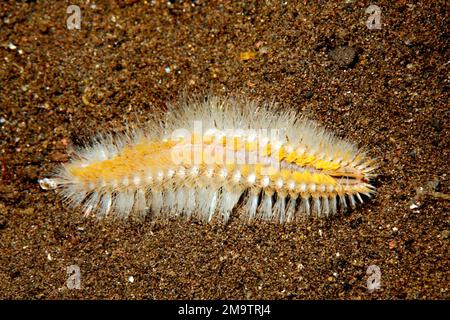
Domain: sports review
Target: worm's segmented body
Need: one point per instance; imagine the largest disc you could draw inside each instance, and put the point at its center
(213, 155)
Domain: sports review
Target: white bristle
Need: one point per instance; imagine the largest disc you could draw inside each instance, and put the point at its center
(306, 170)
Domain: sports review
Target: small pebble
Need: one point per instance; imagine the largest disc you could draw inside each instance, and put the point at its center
(47, 184)
(413, 206)
(247, 55)
(344, 56)
(392, 244)
(263, 50)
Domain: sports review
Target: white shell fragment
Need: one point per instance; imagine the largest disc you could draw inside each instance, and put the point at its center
(47, 184)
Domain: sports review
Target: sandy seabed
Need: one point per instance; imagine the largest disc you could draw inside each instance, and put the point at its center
(386, 89)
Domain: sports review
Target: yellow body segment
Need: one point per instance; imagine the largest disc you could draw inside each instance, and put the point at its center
(149, 157)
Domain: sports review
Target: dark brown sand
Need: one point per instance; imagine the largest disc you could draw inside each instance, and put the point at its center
(385, 89)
